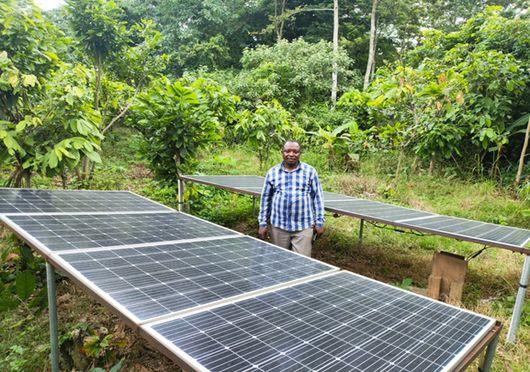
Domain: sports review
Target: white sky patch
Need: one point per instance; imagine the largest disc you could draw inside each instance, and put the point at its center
(49, 4)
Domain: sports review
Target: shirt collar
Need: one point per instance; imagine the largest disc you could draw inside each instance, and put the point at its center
(282, 166)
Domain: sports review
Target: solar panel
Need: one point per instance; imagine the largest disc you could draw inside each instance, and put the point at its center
(252, 185)
(464, 228)
(376, 210)
(229, 181)
(343, 322)
(332, 196)
(158, 280)
(73, 232)
(72, 201)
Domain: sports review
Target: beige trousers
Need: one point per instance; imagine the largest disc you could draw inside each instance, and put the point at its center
(298, 241)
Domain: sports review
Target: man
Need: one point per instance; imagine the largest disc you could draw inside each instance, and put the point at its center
(292, 201)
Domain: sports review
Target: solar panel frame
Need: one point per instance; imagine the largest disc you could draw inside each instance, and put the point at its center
(38, 203)
(149, 331)
(109, 296)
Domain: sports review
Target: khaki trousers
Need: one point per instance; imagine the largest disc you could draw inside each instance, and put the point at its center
(298, 241)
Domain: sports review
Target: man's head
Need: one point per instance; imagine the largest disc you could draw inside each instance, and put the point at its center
(291, 153)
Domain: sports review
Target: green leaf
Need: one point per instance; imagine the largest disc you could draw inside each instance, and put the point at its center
(29, 80)
(12, 78)
(53, 160)
(93, 156)
(25, 284)
(117, 367)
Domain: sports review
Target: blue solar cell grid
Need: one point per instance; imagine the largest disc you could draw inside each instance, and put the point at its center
(70, 201)
(68, 232)
(157, 280)
(343, 322)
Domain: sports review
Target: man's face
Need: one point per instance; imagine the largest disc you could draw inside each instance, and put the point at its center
(291, 153)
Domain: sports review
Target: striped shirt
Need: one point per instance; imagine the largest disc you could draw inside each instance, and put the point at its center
(292, 200)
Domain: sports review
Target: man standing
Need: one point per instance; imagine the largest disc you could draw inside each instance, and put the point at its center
(292, 201)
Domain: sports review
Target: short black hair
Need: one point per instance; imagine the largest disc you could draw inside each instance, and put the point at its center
(292, 141)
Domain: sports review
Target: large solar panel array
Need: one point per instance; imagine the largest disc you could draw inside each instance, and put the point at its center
(158, 280)
(515, 239)
(343, 322)
(222, 301)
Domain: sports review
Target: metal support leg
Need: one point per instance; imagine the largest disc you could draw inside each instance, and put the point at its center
(52, 310)
(253, 206)
(519, 302)
(485, 366)
(180, 194)
(361, 228)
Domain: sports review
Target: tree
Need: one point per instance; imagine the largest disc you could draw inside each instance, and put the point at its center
(63, 126)
(205, 33)
(179, 118)
(458, 95)
(101, 32)
(28, 46)
(124, 57)
(268, 126)
(293, 73)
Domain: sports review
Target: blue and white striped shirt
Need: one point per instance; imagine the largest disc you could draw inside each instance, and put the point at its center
(292, 200)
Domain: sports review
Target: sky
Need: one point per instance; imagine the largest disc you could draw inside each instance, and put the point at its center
(49, 4)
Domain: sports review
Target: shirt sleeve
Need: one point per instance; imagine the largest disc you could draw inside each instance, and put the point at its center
(318, 200)
(266, 201)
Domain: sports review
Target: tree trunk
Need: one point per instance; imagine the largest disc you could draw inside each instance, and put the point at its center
(523, 153)
(27, 179)
(414, 167)
(18, 178)
(371, 50)
(64, 179)
(279, 19)
(400, 160)
(99, 72)
(495, 165)
(372, 69)
(334, 77)
(431, 166)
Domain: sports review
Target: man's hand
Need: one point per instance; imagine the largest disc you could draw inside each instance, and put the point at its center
(319, 230)
(262, 232)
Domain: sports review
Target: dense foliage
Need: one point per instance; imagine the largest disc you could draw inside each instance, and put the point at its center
(460, 94)
(177, 119)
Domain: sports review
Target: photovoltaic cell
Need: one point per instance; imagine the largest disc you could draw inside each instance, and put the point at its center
(374, 209)
(73, 201)
(342, 322)
(231, 181)
(158, 280)
(67, 232)
(333, 196)
(475, 229)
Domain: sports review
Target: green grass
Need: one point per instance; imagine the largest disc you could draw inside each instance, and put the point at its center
(398, 258)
